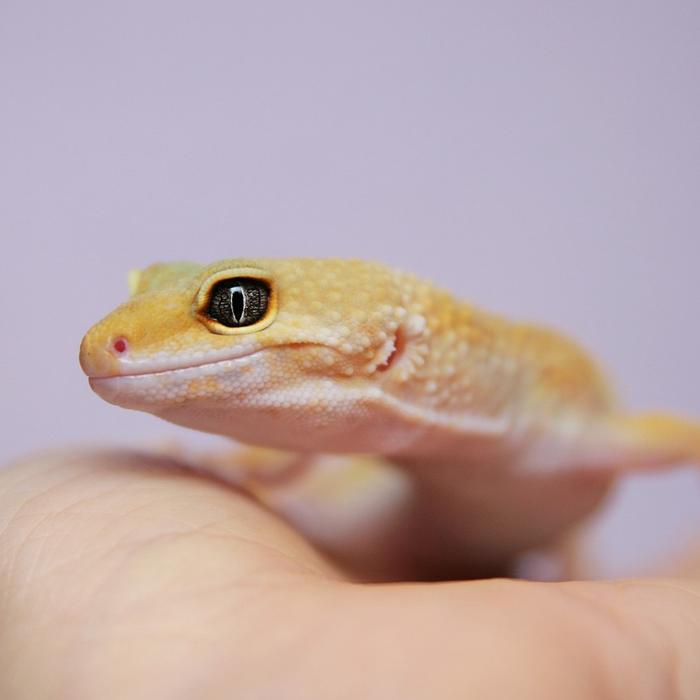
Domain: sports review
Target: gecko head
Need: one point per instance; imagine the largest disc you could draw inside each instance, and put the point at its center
(287, 353)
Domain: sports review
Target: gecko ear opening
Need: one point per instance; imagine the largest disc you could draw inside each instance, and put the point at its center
(406, 351)
(394, 352)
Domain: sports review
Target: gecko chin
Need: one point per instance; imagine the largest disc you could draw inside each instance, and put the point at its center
(264, 403)
(148, 391)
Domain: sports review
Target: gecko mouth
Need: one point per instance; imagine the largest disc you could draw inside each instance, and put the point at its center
(146, 371)
(154, 371)
(146, 390)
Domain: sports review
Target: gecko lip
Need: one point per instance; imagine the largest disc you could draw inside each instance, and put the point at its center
(103, 379)
(151, 372)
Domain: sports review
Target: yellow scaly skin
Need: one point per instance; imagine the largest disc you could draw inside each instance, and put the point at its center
(509, 429)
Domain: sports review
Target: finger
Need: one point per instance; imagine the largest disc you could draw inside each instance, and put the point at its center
(508, 639)
(151, 567)
(107, 499)
(116, 559)
(357, 510)
(114, 577)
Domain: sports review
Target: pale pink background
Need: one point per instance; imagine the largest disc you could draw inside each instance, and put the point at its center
(542, 159)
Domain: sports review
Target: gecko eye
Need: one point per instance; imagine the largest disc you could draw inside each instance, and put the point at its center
(241, 301)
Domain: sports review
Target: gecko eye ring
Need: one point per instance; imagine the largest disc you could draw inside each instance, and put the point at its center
(236, 301)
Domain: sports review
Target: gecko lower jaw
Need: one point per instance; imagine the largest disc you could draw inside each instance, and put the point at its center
(146, 389)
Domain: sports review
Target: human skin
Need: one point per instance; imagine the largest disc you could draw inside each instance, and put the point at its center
(128, 575)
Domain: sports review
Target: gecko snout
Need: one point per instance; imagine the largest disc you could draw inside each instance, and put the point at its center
(100, 356)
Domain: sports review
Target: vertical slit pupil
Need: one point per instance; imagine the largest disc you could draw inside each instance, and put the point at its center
(237, 303)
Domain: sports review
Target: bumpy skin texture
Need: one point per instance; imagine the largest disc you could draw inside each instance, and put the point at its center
(514, 422)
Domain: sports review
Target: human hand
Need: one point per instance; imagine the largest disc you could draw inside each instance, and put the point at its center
(124, 575)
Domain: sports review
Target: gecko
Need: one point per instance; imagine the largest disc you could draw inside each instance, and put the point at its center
(385, 398)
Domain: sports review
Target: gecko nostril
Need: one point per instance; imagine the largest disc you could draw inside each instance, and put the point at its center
(120, 346)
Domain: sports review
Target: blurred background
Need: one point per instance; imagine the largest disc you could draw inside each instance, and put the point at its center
(541, 159)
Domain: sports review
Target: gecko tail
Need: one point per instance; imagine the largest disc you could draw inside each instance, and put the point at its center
(660, 439)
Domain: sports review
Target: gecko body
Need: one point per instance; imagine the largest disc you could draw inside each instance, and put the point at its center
(345, 356)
